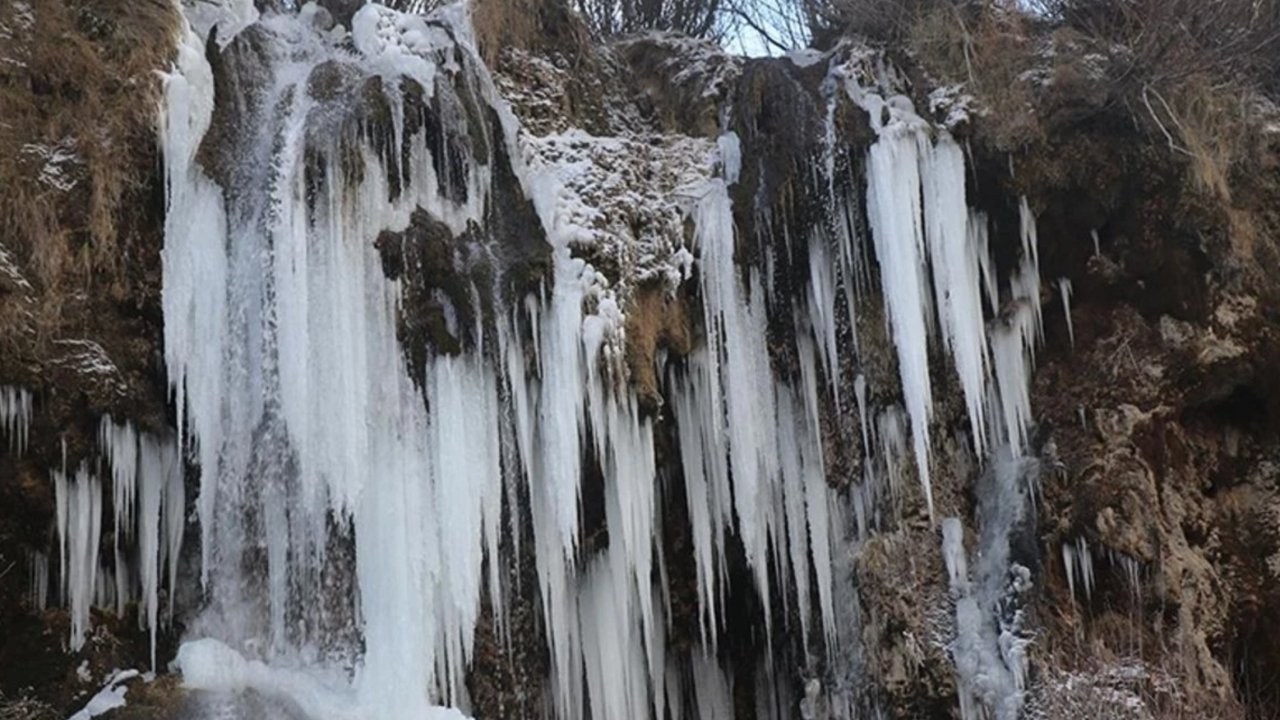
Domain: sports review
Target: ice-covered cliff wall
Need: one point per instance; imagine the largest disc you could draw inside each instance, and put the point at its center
(312, 428)
(660, 384)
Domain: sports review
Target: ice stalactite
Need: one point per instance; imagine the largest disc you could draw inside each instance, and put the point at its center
(78, 510)
(1131, 568)
(193, 310)
(1077, 559)
(894, 213)
(958, 259)
(741, 386)
(1064, 290)
(38, 589)
(15, 417)
(925, 234)
(137, 461)
(707, 492)
(926, 237)
(749, 443)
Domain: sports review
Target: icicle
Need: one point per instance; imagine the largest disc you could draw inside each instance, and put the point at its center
(1069, 564)
(105, 588)
(893, 208)
(730, 156)
(739, 368)
(1097, 245)
(195, 270)
(149, 501)
(979, 242)
(957, 262)
(1078, 561)
(613, 647)
(1013, 383)
(15, 417)
(821, 302)
(712, 688)
(1133, 576)
(1064, 288)
(79, 525)
(953, 556)
(38, 591)
(707, 492)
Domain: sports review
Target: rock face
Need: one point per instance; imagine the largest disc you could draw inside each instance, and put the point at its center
(1141, 556)
(81, 231)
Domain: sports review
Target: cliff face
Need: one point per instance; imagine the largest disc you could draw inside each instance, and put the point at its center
(81, 231)
(813, 475)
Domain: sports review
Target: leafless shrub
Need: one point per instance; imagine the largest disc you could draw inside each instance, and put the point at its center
(1187, 70)
(882, 20)
(24, 708)
(79, 89)
(609, 18)
(777, 25)
(1172, 40)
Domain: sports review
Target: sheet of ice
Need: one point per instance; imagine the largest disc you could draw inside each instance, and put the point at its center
(989, 647)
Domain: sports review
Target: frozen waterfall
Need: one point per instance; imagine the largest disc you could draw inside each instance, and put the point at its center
(365, 513)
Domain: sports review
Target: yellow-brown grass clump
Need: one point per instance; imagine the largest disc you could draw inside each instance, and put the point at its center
(79, 89)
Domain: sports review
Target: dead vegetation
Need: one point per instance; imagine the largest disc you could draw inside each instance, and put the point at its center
(24, 708)
(529, 25)
(656, 320)
(80, 90)
(79, 173)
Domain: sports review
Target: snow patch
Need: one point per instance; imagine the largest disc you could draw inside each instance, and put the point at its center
(111, 697)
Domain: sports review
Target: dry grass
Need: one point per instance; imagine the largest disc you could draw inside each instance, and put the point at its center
(988, 50)
(25, 709)
(655, 320)
(527, 25)
(1188, 75)
(80, 90)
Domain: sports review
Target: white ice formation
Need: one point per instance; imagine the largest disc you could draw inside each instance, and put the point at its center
(15, 417)
(148, 498)
(319, 443)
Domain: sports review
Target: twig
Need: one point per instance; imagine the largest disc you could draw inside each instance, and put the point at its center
(1172, 145)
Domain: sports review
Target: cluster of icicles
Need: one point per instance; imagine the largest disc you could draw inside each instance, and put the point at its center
(147, 499)
(299, 406)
